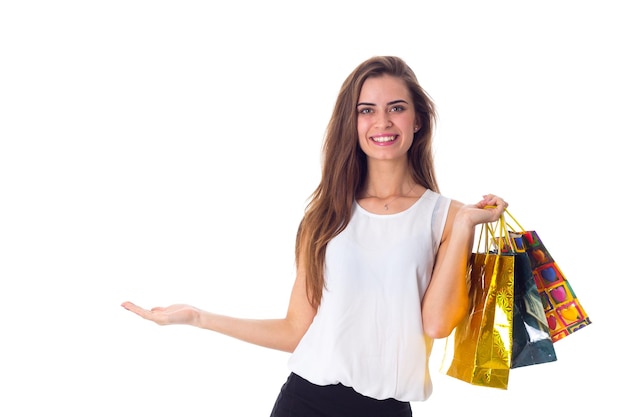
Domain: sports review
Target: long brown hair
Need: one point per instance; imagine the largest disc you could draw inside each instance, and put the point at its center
(344, 166)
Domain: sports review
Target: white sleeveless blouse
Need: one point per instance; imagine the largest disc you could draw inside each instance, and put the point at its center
(368, 333)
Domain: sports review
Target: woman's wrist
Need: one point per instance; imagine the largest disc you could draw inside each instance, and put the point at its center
(464, 219)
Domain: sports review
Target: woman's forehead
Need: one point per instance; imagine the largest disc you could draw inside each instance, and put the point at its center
(384, 88)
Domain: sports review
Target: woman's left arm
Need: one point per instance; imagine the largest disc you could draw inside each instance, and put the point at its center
(446, 299)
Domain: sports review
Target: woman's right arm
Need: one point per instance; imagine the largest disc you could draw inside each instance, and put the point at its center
(281, 334)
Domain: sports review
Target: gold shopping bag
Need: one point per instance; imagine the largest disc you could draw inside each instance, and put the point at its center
(479, 350)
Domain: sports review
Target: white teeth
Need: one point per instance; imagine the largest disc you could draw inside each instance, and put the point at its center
(383, 139)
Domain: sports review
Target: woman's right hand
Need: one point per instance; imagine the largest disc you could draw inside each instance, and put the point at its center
(174, 314)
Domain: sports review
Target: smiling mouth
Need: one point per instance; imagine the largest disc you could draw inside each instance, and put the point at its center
(384, 139)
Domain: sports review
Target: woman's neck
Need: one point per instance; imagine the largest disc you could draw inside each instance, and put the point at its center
(386, 179)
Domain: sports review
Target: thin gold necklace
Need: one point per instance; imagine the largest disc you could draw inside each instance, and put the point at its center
(386, 205)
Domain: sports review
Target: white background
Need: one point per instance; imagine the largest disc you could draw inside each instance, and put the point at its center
(163, 152)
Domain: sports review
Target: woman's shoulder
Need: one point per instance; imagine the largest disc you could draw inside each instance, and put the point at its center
(454, 207)
(435, 195)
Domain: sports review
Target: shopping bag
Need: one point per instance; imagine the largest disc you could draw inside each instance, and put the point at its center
(532, 344)
(562, 308)
(479, 349)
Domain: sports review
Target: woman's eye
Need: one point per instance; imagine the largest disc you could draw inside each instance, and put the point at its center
(365, 111)
(397, 108)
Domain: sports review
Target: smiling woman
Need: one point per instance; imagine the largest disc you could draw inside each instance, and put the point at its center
(386, 117)
(387, 124)
(381, 259)
(164, 151)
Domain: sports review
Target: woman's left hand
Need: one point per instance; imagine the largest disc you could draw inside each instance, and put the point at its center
(487, 210)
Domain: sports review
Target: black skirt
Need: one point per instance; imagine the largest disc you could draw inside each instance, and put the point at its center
(300, 398)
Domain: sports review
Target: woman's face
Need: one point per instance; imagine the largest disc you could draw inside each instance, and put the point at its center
(386, 119)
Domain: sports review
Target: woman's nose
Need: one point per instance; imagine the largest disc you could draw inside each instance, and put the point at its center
(383, 120)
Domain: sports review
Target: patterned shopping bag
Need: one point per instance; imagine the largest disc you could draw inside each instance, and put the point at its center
(563, 310)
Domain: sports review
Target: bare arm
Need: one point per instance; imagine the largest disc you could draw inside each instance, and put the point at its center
(446, 299)
(281, 334)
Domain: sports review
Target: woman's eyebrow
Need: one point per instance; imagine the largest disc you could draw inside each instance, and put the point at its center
(397, 101)
(388, 104)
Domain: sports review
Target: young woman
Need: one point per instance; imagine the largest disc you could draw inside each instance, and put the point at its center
(381, 259)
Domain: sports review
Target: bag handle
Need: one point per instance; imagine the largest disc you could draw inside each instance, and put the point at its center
(489, 230)
(508, 213)
(485, 231)
(503, 235)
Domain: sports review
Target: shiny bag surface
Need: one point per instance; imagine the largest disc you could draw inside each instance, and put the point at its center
(479, 350)
(532, 343)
